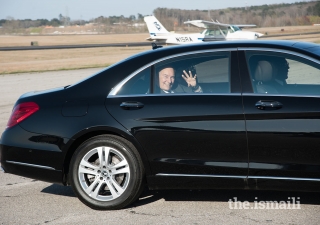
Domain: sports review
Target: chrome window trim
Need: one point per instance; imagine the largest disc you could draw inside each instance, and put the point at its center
(285, 52)
(284, 178)
(200, 175)
(176, 94)
(31, 165)
(279, 51)
(281, 95)
(115, 90)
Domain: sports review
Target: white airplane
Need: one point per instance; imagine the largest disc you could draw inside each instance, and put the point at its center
(214, 31)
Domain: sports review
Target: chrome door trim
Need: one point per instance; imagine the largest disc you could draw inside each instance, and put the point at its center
(176, 94)
(284, 178)
(115, 90)
(237, 177)
(200, 175)
(31, 165)
(281, 95)
(279, 51)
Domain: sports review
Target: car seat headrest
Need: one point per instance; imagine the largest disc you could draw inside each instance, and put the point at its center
(263, 71)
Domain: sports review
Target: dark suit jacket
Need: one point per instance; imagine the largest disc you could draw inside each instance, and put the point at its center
(281, 88)
(179, 89)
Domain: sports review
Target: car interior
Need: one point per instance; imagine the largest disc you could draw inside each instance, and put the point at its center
(213, 73)
(280, 75)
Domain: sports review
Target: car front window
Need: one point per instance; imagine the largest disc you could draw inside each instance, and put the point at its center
(279, 73)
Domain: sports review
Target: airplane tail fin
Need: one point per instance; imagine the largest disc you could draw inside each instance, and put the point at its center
(154, 26)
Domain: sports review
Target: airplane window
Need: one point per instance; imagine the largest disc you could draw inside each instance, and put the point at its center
(212, 32)
(230, 30)
(235, 28)
(208, 32)
(225, 31)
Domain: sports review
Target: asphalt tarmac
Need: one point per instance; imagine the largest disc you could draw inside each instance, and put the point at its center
(127, 44)
(27, 201)
(291, 36)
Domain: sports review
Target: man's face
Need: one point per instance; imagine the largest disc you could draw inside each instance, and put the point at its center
(166, 79)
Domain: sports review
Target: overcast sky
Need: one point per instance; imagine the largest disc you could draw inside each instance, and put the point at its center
(88, 9)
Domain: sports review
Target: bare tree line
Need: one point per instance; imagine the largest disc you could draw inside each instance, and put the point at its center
(299, 13)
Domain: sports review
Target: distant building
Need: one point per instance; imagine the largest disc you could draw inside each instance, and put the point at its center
(137, 25)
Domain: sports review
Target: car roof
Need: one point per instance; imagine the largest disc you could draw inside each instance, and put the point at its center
(303, 47)
(254, 43)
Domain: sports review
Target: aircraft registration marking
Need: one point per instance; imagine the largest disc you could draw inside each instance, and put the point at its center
(184, 39)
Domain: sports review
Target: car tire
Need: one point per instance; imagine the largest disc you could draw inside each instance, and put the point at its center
(106, 172)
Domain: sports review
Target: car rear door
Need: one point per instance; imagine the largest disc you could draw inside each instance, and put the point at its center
(188, 134)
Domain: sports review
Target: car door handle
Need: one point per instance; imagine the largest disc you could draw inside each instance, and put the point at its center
(268, 105)
(131, 105)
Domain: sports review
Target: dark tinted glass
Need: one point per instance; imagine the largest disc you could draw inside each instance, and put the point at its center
(279, 73)
(212, 72)
(139, 84)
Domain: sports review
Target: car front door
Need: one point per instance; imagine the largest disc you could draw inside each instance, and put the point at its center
(282, 118)
(186, 133)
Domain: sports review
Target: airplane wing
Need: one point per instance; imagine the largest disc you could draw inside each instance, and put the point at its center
(244, 25)
(208, 24)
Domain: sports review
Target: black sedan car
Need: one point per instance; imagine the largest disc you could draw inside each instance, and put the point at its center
(243, 115)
